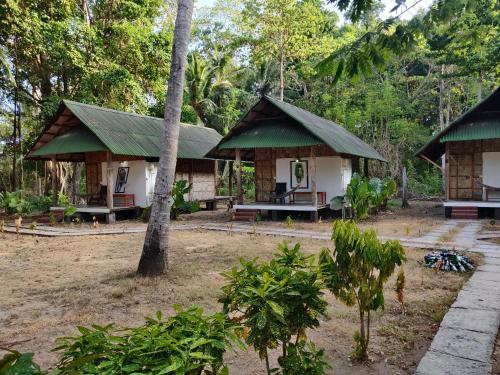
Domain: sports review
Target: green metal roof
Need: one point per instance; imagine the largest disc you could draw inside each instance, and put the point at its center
(486, 129)
(272, 133)
(75, 140)
(315, 129)
(481, 121)
(136, 135)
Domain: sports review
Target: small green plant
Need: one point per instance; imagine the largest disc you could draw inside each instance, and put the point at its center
(288, 221)
(493, 222)
(16, 363)
(276, 302)
(180, 205)
(189, 342)
(69, 210)
(355, 272)
(52, 218)
(303, 358)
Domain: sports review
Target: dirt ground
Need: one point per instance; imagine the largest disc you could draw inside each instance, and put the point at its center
(50, 285)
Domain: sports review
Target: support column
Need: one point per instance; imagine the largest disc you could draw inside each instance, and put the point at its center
(314, 188)
(190, 181)
(239, 193)
(54, 181)
(109, 179)
(365, 167)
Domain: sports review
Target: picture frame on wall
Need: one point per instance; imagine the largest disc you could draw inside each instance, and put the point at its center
(121, 179)
(299, 174)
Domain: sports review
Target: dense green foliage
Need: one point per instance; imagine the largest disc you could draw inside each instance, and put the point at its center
(17, 203)
(188, 343)
(355, 272)
(364, 193)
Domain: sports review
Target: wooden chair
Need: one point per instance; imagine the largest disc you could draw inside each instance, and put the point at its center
(100, 198)
(280, 193)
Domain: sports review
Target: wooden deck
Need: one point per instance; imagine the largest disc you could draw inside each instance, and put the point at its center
(478, 204)
(279, 207)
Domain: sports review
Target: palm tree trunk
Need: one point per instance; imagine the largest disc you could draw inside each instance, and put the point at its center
(154, 259)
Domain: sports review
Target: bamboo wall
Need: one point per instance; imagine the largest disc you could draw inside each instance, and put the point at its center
(464, 168)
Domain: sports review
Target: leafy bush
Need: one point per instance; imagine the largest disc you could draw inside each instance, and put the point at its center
(180, 205)
(356, 270)
(188, 343)
(15, 363)
(303, 359)
(359, 196)
(363, 193)
(40, 202)
(13, 203)
(275, 301)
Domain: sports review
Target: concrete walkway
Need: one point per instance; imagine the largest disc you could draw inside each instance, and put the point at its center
(466, 338)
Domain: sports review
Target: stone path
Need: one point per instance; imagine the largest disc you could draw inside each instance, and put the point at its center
(434, 235)
(466, 338)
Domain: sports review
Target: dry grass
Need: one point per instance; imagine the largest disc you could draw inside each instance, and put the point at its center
(450, 235)
(51, 286)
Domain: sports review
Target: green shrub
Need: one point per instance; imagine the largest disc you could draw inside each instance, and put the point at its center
(363, 193)
(187, 343)
(356, 270)
(13, 203)
(180, 205)
(303, 359)
(275, 301)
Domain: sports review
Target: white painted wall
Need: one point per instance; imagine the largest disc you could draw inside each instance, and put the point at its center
(333, 174)
(136, 182)
(491, 170)
(203, 184)
(142, 178)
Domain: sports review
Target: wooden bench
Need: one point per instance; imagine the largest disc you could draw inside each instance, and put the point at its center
(123, 200)
(306, 197)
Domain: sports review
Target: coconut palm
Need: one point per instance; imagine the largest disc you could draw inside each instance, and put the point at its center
(154, 258)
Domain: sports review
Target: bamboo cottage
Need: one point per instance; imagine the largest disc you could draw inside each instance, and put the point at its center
(121, 151)
(471, 149)
(301, 160)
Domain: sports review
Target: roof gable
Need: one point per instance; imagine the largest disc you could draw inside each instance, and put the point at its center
(481, 121)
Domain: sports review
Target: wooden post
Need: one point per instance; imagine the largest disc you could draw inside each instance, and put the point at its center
(314, 187)
(365, 167)
(109, 179)
(230, 178)
(190, 181)
(239, 193)
(404, 194)
(54, 181)
(446, 172)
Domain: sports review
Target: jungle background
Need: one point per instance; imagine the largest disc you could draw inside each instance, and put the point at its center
(117, 54)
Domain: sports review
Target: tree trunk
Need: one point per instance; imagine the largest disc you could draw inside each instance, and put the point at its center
(362, 335)
(282, 75)
(154, 258)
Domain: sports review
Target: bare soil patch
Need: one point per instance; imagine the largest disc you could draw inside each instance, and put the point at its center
(50, 285)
